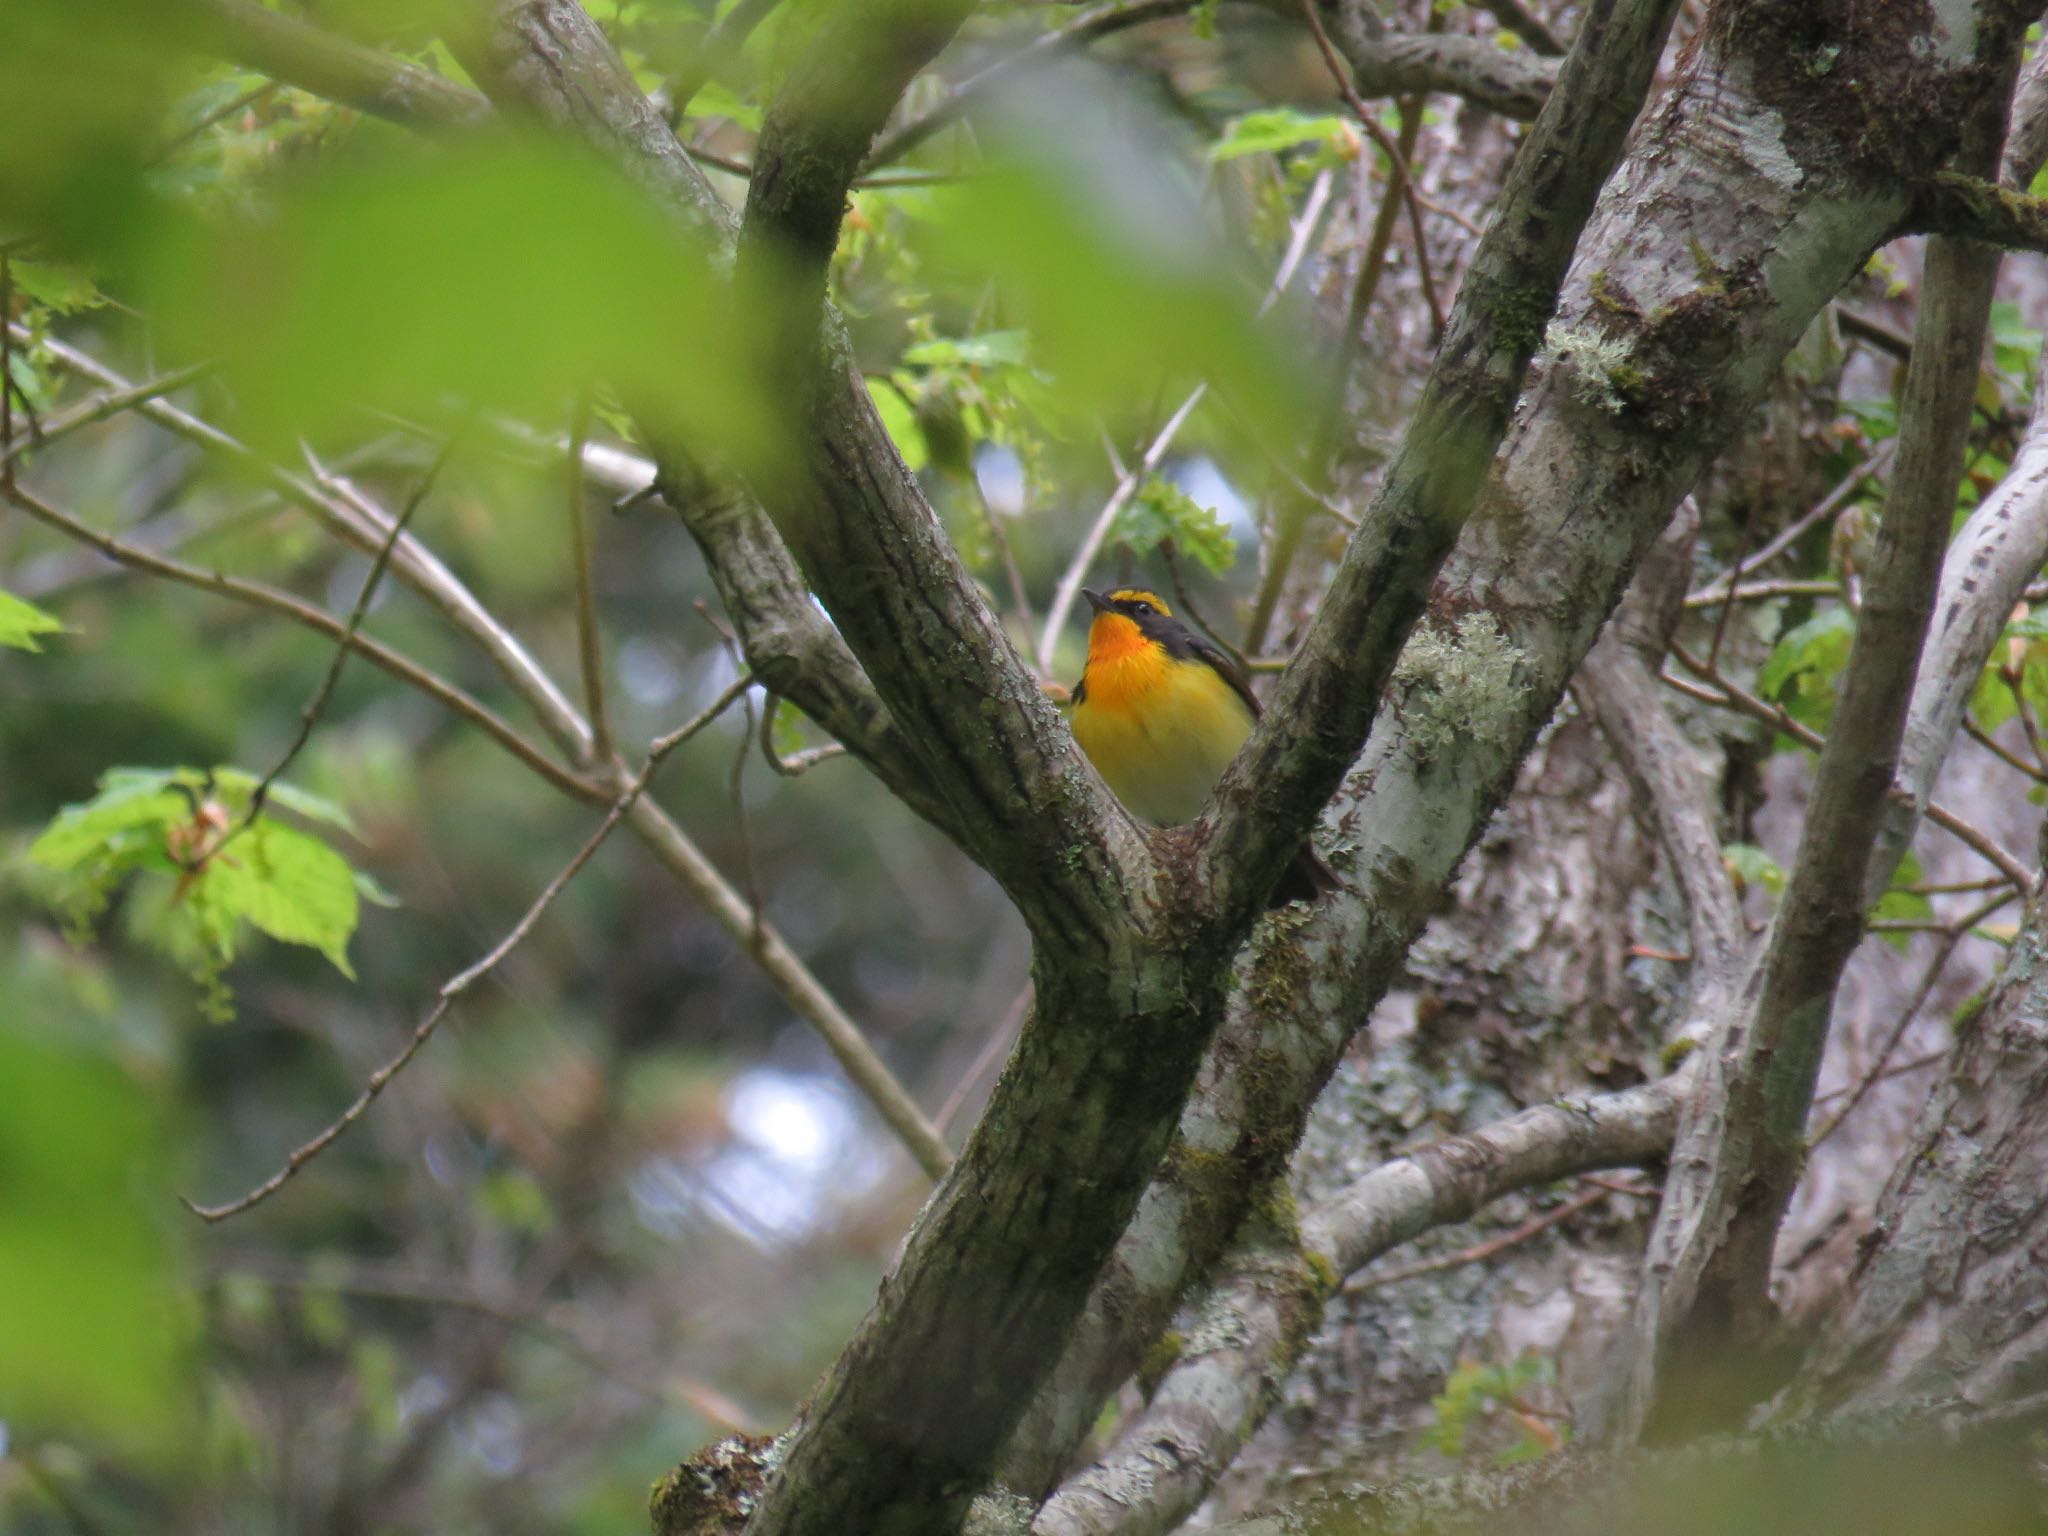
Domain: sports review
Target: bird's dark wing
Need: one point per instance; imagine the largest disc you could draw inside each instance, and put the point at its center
(1227, 669)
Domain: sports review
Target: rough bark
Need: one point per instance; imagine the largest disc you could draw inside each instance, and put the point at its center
(1386, 62)
(1710, 252)
(1699, 1347)
(1247, 1333)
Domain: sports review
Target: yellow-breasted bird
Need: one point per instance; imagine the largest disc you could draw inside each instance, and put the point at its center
(1161, 712)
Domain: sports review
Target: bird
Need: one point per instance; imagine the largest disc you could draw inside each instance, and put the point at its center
(1160, 712)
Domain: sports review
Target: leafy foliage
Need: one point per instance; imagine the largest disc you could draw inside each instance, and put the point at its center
(95, 1330)
(1803, 667)
(1162, 511)
(190, 830)
(1476, 1394)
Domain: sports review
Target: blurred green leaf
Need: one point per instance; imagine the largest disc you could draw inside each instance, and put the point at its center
(503, 273)
(900, 421)
(92, 1340)
(21, 622)
(1750, 865)
(60, 286)
(1091, 225)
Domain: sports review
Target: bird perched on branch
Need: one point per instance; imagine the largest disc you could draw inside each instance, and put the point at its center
(1161, 712)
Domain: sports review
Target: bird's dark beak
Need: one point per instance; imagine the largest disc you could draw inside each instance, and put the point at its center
(1095, 600)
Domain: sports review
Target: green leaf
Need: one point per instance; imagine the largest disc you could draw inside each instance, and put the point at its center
(22, 621)
(545, 270)
(1801, 670)
(1750, 865)
(236, 786)
(1277, 129)
(990, 349)
(57, 285)
(129, 800)
(290, 885)
(1162, 510)
(900, 421)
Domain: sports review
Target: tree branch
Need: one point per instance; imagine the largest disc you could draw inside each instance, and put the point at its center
(1967, 207)
(1084, 29)
(1385, 62)
(1381, 587)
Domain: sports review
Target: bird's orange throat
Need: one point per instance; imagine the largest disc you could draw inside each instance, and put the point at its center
(1123, 661)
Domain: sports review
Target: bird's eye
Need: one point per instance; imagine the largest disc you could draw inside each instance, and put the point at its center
(1140, 607)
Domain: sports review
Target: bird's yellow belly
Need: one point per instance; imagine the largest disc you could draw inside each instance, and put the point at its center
(1161, 741)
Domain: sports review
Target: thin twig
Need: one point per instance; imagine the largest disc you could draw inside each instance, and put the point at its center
(1478, 1253)
(736, 788)
(359, 522)
(1186, 599)
(1727, 609)
(100, 407)
(1734, 696)
(460, 983)
(1825, 508)
(271, 600)
(1952, 936)
(1763, 591)
(589, 645)
(2003, 753)
(316, 706)
(1085, 28)
(1401, 174)
(992, 1051)
(247, 99)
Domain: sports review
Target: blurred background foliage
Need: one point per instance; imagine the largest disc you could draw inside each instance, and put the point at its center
(625, 1201)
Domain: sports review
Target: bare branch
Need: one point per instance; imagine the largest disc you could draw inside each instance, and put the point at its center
(316, 706)
(271, 600)
(97, 408)
(1385, 62)
(352, 517)
(1952, 934)
(460, 983)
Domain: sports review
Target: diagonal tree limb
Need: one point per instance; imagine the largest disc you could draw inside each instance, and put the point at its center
(1704, 1319)
(456, 985)
(1384, 581)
